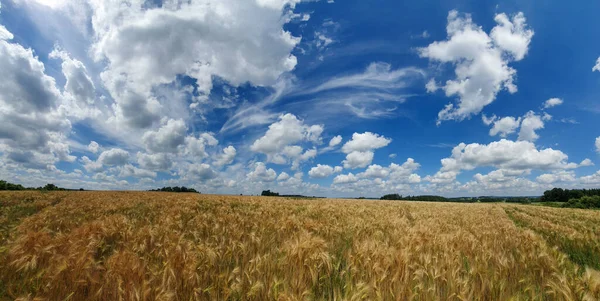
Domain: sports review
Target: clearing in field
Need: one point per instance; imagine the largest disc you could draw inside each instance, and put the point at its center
(163, 246)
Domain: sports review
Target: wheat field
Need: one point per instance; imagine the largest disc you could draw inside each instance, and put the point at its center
(167, 246)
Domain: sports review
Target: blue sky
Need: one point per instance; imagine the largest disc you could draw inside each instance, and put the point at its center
(328, 98)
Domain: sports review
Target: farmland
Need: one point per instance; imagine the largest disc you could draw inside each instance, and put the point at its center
(167, 246)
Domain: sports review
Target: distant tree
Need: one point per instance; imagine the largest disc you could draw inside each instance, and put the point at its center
(10, 186)
(50, 187)
(585, 202)
(269, 193)
(564, 195)
(391, 197)
(176, 189)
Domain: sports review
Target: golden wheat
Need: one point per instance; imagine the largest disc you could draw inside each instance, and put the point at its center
(162, 246)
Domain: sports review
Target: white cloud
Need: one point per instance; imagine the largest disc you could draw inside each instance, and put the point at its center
(498, 176)
(512, 36)
(586, 162)
(558, 176)
(593, 179)
(500, 181)
(283, 176)
(345, 179)
(374, 171)
(378, 75)
(261, 173)
(531, 122)
(504, 126)
(598, 144)
(322, 171)
(114, 157)
(481, 61)
(552, 102)
(358, 159)
(132, 171)
(160, 161)
(93, 147)
(365, 142)
(405, 173)
(597, 66)
(279, 141)
(34, 127)
(503, 154)
(227, 156)
(145, 48)
(431, 86)
(442, 177)
(167, 138)
(335, 141)
(360, 148)
(392, 156)
(91, 166)
(79, 85)
(199, 171)
(488, 120)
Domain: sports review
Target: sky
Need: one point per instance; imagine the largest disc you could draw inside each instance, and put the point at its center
(328, 98)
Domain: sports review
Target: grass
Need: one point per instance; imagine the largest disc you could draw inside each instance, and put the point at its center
(149, 246)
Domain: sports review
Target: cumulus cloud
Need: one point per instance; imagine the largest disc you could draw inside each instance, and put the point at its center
(132, 171)
(323, 171)
(34, 130)
(114, 157)
(358, 159)
(365, 142)
(375, 171)
(558, 176)
(280, 141)
(586, 162)
(500, 181)
(503, 126)
(345, 179)
(79, 89)
(90, 165)
(431, 86)
(283, 176)
(227, 156)
(159, 161)
(167, 138)
(360, 149)
(497, 178)
(93, 147)
(481, 61)
(552, 102)
(335, 141)
(597, 66)
(199, 171)
(145, 48)
(261, 173)
(531, 122)
(593, 179)
(598, 144)
(514, 156)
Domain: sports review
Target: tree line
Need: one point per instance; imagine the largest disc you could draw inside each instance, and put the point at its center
(175, 189)
(564, 195)
(4, 185)
(437, 198)
(573, 198)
